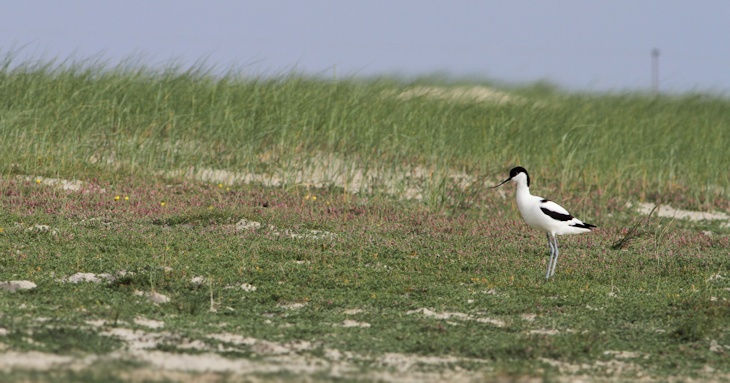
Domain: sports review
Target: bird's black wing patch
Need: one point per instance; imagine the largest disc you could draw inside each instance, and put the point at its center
(584, 225)
(555, 215)
(544, 200)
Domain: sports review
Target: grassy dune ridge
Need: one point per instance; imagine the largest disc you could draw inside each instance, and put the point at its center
(80, 119)
(145, 274)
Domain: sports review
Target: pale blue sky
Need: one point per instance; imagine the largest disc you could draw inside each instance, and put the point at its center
(577, 44)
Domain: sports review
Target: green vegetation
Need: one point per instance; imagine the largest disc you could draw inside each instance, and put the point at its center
(84, 119)
(354, 279)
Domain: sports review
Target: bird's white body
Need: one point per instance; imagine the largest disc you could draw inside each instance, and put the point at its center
(531, 206)
(544, 215)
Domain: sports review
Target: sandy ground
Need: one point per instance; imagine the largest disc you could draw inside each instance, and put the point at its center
(299, 359)
(294, 357)
(670, 212)
(327, 170)
(203, 359)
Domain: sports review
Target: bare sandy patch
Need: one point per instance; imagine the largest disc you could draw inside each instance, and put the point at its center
(463, 94)
(625, 354)
(461, 316)
(88, 277)
(13, 286)
(352, 323)
(353, 311)
(263, 347)
(610, 367)
(717, 347)
(245, 224)
(137, 339)
(292, 306)
(32, 360)
(295, 357)
(528, 317)
(150, 323)
(70, 185)
(319, 170)
(544, 332)
(233, 338)
(153, 296)
(670, 212)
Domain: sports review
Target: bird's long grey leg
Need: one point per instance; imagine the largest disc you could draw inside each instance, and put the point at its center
(557, 252)
(550, 262)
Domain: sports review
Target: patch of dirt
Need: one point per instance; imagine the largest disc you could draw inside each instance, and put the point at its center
(32, 360)
(292, 306)
(88, 277)
(151, 323)
(352, 323)
(544, 332)
(670, 212)
(296, 358)
(153, 296)
(353, 311)
(70, 185)
(625, 354)
(13, 286)
(320, 170)
(461, 316)
(244, 224)
(528, 317)
(609, 367)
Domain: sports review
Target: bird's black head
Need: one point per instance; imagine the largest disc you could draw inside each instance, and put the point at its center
(513, 173)
(517, 170)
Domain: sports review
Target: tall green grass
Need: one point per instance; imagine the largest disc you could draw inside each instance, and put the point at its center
(85, 119)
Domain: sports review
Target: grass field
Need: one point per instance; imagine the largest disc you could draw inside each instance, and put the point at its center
(297, 228)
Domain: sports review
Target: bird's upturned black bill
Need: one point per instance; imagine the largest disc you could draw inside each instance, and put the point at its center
(502, 183)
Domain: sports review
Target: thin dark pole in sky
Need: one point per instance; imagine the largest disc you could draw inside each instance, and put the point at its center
(655, 70)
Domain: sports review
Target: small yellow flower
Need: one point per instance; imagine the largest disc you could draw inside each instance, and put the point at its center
(210, 207)
(126, 198)
(1, 229)
(220, 186)
(38, 181)
(314, 198)
(162, 203)
(116, 198)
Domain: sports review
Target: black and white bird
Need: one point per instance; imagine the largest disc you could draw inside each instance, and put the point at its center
(545, 215)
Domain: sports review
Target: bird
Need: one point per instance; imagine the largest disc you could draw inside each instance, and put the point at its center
(544, 215)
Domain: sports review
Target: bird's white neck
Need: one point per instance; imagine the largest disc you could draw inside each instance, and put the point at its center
(522, 188)
(522, 192)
